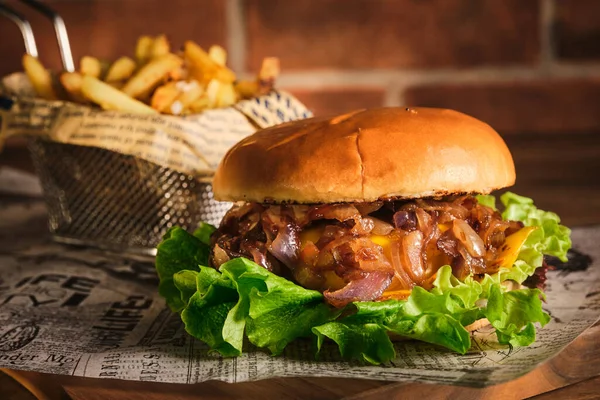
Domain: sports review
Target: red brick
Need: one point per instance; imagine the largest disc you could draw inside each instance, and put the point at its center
(109, 29)
(533, 107)
(392, 33)
(578, 29)
(339, 101)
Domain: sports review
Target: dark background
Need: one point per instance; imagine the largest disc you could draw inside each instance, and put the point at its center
(530, 68)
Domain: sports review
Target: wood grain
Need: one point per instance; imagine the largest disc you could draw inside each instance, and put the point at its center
(588, 389)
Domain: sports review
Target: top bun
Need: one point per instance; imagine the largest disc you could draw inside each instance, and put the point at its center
(366, 155)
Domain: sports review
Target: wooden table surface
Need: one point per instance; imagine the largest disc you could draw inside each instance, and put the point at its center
(572, 189)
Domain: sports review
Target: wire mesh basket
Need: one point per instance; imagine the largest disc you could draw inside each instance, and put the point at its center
(102, 198)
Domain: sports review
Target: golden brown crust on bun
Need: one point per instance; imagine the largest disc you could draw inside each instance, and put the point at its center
(366, 155)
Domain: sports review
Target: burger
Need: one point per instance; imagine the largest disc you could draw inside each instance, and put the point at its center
(360, 229)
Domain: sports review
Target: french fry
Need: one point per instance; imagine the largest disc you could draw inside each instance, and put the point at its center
(143, 49)
(120, 70)
(164, 96)
(190, 92)
(220, 94)
(198, 106)
(212, 92)
(176, 97)
(151, 74)
(247, 89)
(90, 66)
(155, 79)
(40, 77)
(202, 67)
(176, 108)
(226, 95)
(110, 98)
(160, 47)
(269, 71)
(224, 74)
(269, 68)
(72, 82)
(218, 55)
(178, 74)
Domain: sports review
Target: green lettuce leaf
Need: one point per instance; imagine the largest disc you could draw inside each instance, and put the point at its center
(283, 312)
(487, 200)
(178, 251)
(551, 238)
(513, 314)
(364, 342)
(437, 317)
(185, 282)
(203, 232)
(243, 301)
(206, 316)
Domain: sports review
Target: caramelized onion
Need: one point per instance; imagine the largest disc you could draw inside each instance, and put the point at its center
(300, 214)
(367, 288)
(333, 236)
(447, 244)
(340, 212)
(368, 208)
(380, 227)
(399, 272)
(423, 221)
(362, 254)
(456, 210)
(363, 226)
(468, 237)
(468, 264)
(260, 258)
(405, 220)
(219, 257)
(412, 248)
(424, 234)
(285, 247)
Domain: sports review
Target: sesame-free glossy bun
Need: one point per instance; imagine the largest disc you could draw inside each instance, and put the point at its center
(366, 155)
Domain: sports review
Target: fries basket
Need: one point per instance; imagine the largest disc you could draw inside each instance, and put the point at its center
(120, 175)
(114, 201)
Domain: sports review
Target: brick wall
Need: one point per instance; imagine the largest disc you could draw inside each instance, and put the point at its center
(530, 68)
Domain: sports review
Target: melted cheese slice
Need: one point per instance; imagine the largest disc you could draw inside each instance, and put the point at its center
(512, 246)
(310, 235)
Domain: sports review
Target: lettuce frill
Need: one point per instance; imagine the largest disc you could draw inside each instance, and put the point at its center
(243, 301)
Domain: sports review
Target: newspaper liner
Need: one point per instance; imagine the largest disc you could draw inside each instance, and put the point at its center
(82, 312)
(192, 144)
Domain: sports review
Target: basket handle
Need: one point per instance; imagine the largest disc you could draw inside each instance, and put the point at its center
(24, 27)
(59, 27)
